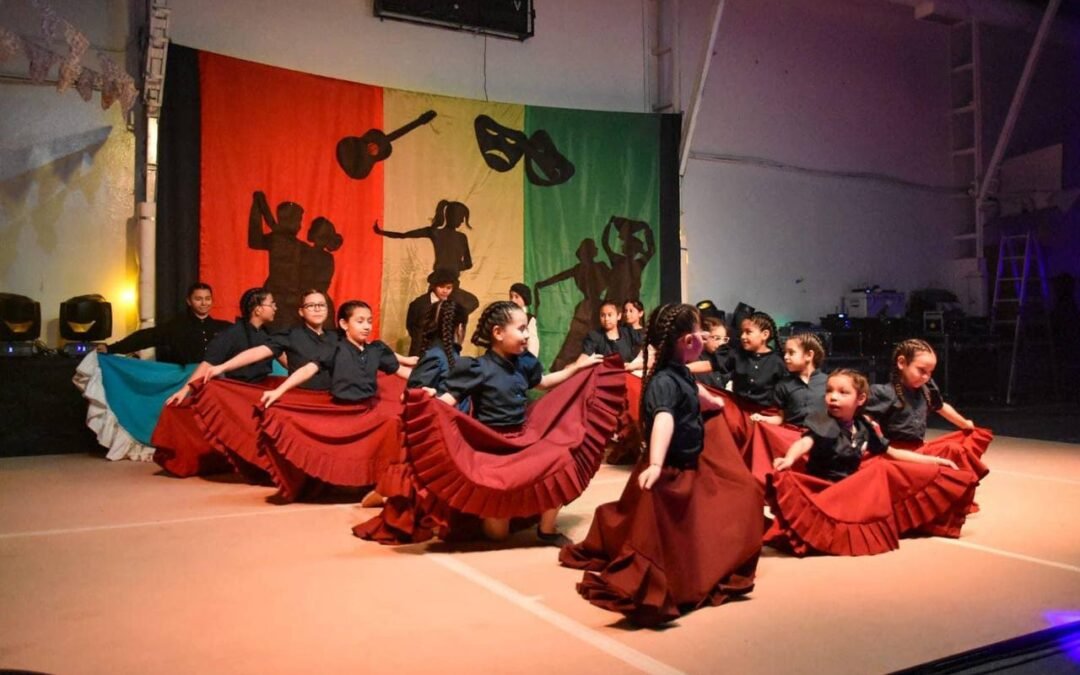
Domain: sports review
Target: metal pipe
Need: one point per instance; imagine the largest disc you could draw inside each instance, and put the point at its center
(699, 88)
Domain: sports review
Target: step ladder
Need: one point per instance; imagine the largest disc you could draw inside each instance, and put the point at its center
(1020, 310)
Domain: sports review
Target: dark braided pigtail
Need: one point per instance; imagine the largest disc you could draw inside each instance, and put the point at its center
(496, 314)
(666, 325)
(908, 349)
(251, 299)
(448, 317)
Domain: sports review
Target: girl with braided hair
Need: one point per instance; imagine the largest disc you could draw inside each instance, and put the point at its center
(856, 495)
(505, 460)
(686, 531)
(903, 406)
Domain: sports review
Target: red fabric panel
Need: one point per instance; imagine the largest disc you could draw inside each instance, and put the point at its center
(276, 131)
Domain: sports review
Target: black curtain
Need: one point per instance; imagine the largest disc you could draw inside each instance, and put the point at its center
(179, 141)
(670, 253)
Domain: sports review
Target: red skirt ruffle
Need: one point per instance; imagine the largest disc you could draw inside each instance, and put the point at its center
(867, 512)
(227, 412)
(458, 466)
(308, 439)
(626, 445)
(181, 447)
(692, 540)
(964, 448)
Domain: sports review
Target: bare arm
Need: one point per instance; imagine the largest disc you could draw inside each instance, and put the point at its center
(955, 418)
(797, 450)
(909, 456)
(403, 371)
(663, 428)
(409, 361)
(699, 367)
(300, 376)
(244, 358)
(776, 420)
(447, 398)
(709, 401)
(559, 376)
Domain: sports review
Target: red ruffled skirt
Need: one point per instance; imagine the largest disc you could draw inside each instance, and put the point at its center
(181, 447)
(692, 540)
(227, 412)
(458, 469)
(309, 440)
(867, 512)
(964, 448)
(626, 445)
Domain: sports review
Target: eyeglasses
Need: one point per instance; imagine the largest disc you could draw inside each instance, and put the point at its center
(268, 304)
(314, 305)
(718, 338)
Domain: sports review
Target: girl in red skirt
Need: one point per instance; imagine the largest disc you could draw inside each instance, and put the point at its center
(845, 505)
(686, 531)
(469, 473)
(903, 406)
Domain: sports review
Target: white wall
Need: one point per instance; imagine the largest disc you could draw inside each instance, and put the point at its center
(66, 179)
(584, 54)
(844, 86)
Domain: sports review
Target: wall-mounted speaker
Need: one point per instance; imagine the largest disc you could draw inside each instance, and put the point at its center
(500, 18)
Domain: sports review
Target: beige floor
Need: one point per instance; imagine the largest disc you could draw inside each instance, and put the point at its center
(114, 568)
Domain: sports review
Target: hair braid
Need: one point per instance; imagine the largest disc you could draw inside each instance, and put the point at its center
(496, 314)
(666, 324)
(907, 349)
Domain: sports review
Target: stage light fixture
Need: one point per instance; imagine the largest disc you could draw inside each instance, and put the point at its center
(84, 319)
(20, 324)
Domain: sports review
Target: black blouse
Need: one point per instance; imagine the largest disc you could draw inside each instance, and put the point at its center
(906, 423)
(354, 371)
(837, 451)
(672, 389)
(496, 385)
(755, 376)
(182, 339)
(433, 368)
(627, 345)
(301, 346)
(720, 375)
(800, 399)
(237, 338)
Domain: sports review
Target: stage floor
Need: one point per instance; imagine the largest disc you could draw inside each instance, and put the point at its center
(113, 567)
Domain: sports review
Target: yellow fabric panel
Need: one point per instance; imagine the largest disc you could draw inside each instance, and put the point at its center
(441, 160)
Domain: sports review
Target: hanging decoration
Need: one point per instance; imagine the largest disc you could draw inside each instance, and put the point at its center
(44, 51)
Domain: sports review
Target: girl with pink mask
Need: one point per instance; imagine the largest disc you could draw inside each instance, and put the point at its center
(646, 555)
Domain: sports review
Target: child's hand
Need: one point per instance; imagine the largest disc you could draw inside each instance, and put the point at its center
(589, 361)
(711, 400)
(941, 461)
(409, 361)
(783, 463)
(648, 477)
(269, 397)
(430, 391)
(968, 425)
(756, 417)
(214, 371)
(179, 396)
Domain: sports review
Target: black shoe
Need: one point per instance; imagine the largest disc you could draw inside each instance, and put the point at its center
(553, 538)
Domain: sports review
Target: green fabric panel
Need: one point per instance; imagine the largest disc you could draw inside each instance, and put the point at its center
(617, 174)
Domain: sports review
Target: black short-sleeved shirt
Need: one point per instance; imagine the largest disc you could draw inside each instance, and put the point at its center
(301, 346)
(837, 451)
(755, 376)
(496, 385)
(673, 389)
(182, 339)
(907, 423)
(354, 371)
(627, 345)
(239, 337)
(800, 399)
(433, 368)
(720, 376)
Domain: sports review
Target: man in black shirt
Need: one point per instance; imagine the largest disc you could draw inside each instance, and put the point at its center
(183, 338)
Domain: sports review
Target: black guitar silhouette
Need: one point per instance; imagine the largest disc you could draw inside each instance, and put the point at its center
(357, 155)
